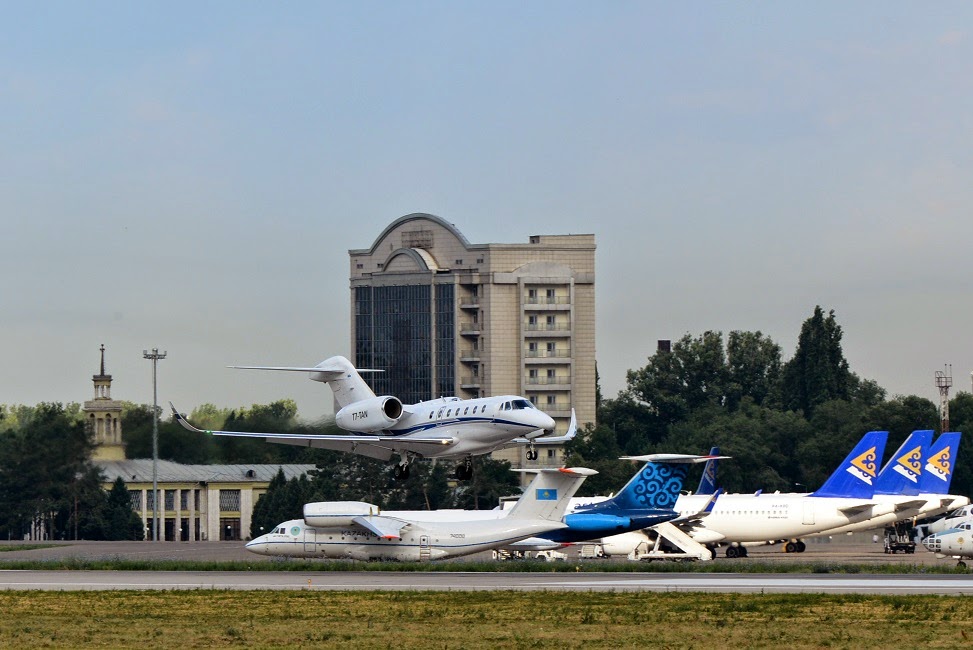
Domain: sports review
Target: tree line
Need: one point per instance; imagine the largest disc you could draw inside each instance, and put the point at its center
(785, 424)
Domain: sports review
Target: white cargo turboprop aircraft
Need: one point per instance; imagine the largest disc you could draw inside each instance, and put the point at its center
(448, 427)
(356, 530)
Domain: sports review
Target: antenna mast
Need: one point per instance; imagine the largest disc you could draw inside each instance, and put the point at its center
(944, 380)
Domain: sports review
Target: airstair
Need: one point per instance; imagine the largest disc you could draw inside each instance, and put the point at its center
(668, 536)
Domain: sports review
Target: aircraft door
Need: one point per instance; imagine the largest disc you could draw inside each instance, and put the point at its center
(423, 548)
(808, 519)
(309, 540)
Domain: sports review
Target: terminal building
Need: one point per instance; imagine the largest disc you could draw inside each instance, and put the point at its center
(197, 503)
(443, 316)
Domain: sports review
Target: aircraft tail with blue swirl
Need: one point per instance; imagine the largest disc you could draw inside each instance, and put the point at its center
(856, 476)
(654, 488)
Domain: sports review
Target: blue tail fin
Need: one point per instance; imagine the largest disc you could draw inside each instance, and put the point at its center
(901, 474)
(656, 485)
(855, 477)
(707, 483)
(940, 463)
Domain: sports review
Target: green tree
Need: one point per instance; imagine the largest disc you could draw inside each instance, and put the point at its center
(43, 468)
(818, 372)
(122, 522)
(753, 369)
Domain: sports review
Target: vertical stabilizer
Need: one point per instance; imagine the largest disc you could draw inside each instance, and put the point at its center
(939, 464)
(548, 494)
(855, 477)
(345, 382)
(707, 482)
(902, 473)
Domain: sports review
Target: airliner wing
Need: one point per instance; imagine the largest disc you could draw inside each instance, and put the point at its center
(851, 511)
(909, 505)
(373, 446)
(383, 527)
(548, 440)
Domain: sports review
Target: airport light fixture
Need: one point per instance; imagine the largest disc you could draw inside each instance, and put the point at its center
(155, 356)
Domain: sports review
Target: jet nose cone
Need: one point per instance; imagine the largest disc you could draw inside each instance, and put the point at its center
(258, 545)
(547, 423)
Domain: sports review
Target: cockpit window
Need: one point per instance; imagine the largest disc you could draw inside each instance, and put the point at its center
(521, 404)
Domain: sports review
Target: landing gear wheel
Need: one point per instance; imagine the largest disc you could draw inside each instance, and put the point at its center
(464, 471)
(531, 454)
(712, 554)
(743, 551)
(801, 547)
(400, 472)
(732, 552)
(790, 547)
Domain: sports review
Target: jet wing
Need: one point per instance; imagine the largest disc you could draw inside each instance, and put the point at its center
(547, 440)
(366, 445)
(383, 527)
(851, 511)
(910, 505)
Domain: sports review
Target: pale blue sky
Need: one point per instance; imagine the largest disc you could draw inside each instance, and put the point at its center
(191, 176)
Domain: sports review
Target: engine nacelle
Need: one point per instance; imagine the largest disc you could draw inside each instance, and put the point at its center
(624, 543)
(373, 414)
(597, 523)
(328, 514)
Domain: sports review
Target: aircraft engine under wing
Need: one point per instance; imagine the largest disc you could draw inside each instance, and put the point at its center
(373, 446)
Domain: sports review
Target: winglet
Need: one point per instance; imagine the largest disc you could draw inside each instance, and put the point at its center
(178, 417)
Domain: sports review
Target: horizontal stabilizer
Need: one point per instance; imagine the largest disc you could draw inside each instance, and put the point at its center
(673, 458)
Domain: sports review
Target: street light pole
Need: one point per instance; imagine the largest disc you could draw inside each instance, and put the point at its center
(154, 356)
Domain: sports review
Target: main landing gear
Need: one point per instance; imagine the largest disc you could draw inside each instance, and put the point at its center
(464, 471)
(736, 551)
(795, 547)
(531, 453)
(401, 471)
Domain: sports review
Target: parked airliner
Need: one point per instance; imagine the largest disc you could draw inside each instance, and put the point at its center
(381, 426)
(737, 519)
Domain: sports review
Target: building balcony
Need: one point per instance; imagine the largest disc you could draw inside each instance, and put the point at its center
(557, 303)
(552, 356)
(547, 329)
(469, 329)
(469, 383)
(561, 382)
(469, 356)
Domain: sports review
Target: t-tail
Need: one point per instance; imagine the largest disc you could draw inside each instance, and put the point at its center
(339, 373)
(657, 485)
(939, 464)
(707, 482)
(901, 475)
(855, 477)
(548, 495)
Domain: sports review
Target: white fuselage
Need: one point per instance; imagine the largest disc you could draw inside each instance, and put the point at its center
(954, 542)
(477, 426)
(952, 520)
(765, 517)
(420, 541)
(932, 505)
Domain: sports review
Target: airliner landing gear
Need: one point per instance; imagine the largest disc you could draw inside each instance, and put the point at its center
(795, 547)
(531, 453)
(401, 471)
(464, 471)
(736, 551)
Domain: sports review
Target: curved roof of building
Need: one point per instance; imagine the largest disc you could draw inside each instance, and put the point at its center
(419, 216)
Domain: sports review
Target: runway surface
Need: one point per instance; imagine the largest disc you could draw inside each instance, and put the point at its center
(442, 581)
(861, 550)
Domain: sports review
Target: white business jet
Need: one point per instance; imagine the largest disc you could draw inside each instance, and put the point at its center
(356, 530)
(380, 426)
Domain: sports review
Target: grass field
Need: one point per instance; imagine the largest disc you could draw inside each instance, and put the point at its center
(265, 619)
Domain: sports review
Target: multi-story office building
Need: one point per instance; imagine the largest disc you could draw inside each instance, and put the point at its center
(442, 316)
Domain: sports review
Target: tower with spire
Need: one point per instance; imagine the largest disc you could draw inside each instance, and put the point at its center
(104, 416)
